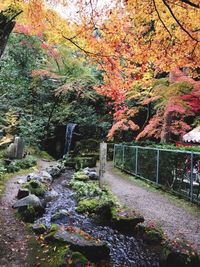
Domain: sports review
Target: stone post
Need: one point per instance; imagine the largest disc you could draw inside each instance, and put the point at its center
(103, 160)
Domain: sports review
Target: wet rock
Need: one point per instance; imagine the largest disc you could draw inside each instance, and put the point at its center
(23, 192)
(39, 228)
(46, 177)
(43, 177)
(30, 200)
(33, 177)
(50, 196)
(83, 243)
(55, 170)
(91, 173)
(61, 215)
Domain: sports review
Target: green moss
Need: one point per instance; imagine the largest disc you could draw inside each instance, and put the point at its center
(87, 205)
(80, 176)
(35, 188)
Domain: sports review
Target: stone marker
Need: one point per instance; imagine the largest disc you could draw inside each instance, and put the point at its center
(16, 149)
(103, 159)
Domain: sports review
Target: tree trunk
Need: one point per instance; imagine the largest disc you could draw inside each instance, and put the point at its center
(5, 30)
(166, 133)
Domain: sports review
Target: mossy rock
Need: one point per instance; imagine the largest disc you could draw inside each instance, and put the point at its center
(83, 162)
(36, 188)
(153, 236)
(125, 221)
(87, 205)
(28, 214)
(80, 176)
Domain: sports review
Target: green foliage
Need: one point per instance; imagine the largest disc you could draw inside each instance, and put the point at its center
(89, 189)
(32, 99)
(18, 164)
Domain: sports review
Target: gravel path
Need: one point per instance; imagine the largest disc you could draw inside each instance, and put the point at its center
(174, 220)
(14, 238)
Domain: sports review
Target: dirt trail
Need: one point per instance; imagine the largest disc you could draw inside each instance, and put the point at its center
(174, 220)
(14, 238)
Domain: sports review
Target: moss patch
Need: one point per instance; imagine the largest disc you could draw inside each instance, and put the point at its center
(35, 188)
(87, 205)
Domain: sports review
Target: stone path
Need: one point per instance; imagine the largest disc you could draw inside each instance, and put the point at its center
(175, 220)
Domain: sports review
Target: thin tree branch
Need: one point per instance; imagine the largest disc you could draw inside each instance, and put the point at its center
(156, 9)
(190, 3)
(178, 22)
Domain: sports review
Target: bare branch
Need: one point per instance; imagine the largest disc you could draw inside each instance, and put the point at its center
(178, 22)
(154, 3)
(190, 3)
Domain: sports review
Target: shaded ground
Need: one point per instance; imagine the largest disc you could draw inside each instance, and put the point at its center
(176, 221)
(14, 238)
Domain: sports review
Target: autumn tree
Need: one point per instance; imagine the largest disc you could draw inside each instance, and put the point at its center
(7, 23)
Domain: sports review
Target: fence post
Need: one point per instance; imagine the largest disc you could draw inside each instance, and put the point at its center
(191, 176)
(157, 166)
(103, 160)
(136, 161)
(123, 157)
(114, 154)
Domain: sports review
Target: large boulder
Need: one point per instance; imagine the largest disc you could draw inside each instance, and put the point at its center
(30, 200)
(80, 241)
(29, 208)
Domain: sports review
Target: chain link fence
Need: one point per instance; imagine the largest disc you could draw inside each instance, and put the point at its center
(172, 169)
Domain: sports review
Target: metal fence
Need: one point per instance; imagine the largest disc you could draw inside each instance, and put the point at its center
(173, 169)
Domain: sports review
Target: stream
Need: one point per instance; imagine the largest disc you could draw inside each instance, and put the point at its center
(125, 250)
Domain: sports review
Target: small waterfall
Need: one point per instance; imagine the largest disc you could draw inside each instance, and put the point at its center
(68, 136)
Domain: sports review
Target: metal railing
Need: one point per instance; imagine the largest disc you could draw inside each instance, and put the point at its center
(175, 170)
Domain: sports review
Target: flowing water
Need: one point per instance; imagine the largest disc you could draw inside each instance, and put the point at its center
(68, 136)
(125, 250)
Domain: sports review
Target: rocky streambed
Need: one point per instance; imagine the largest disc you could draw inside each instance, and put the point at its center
(125, 249)
(57, 219)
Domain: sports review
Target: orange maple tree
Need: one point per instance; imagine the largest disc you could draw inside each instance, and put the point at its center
(131, 42)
